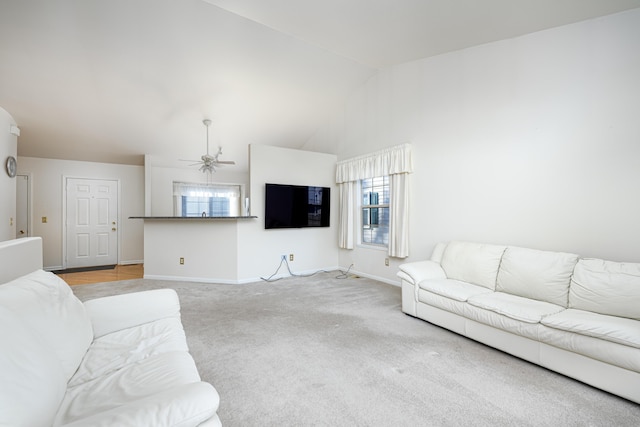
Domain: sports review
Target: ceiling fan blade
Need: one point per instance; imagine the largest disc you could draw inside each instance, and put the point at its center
(225, 162)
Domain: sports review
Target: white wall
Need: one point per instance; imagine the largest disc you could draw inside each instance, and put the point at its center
(8, 147)
(209, 248)
(240, 250)
(48, 197)
(313, 248)
(532, 141)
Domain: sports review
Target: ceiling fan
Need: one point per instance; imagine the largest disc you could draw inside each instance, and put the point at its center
(208, 162)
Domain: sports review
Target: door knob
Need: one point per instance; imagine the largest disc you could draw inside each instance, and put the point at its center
(21, 231)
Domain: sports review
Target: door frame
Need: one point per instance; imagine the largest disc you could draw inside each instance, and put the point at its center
(29, 176)
(65, 178)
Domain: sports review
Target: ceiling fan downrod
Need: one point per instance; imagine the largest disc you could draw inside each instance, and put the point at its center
(207, 123)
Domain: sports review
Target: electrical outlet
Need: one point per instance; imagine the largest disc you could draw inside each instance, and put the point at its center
(181, 261)
(290, 257)
(386, 262)
(44, 219)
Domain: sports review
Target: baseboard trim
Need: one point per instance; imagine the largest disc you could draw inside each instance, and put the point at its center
(190, 279)
(237, 281)
(374, 277)
(82, 269)
(131, 262)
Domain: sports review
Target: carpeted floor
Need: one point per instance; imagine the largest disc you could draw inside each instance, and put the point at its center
(323, 351)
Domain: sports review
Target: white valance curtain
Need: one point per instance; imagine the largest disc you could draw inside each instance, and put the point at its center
(394, 162)
(231, 192)
(194, 189)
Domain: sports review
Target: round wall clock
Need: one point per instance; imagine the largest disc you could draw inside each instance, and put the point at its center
(11, 166)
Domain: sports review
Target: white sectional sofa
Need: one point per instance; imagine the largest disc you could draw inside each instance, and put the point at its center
(113, 361)
(579, 317)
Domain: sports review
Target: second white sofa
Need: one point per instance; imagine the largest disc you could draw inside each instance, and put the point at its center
(115, 361)
(579, 317)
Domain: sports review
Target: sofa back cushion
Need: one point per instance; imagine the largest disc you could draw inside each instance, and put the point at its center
(606, 287)
(32, 385)
(46, 304)
(534, 274)
(474, 263)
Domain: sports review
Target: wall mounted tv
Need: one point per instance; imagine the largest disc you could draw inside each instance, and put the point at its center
(296, 206)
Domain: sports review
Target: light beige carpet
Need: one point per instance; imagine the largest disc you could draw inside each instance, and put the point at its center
(322, 351)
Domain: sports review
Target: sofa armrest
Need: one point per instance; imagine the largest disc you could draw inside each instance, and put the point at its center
(416, 272)
(114, 313)
(189, 405)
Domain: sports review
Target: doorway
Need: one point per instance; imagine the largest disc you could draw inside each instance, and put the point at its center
(91, 222)
(23, 206)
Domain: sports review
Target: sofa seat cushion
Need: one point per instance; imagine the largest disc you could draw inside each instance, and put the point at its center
(620, 355)
(518, 308)
(606, 287)
(475, 263)
(189, 405)
(501, 322)
(443, 303)
(453, 289)
(113, 351)
(136, 381)
(540, 275)
(610, 328)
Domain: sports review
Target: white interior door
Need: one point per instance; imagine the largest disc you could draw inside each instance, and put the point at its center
(91, 219)
(23, 215)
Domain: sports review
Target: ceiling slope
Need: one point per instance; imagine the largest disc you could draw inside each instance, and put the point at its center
(111, 81)
(381, 33)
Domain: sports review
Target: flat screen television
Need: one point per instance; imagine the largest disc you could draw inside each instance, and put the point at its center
(296, 206)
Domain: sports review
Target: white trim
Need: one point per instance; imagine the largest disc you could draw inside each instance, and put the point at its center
(64, 223)
(119, 220)
(189, 279)
(131, 262)
(29, 176)
(373, 277)
(240, 281)
(201, 279)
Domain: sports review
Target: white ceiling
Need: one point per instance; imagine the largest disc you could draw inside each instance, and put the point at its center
(110, 81)
(379, 33)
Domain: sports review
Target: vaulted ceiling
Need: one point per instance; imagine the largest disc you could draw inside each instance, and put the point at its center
(111, 81)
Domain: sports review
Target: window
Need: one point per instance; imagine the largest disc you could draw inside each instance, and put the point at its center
(193, 199)
(392, 209)
(375, 210)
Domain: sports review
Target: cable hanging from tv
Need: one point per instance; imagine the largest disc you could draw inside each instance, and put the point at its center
(283, 260)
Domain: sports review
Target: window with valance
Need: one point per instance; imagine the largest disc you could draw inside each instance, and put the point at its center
(394, 162)
(196, 199)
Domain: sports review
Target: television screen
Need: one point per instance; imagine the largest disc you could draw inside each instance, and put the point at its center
(296, 206)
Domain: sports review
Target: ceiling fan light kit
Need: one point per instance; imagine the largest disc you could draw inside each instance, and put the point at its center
(208, 163)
